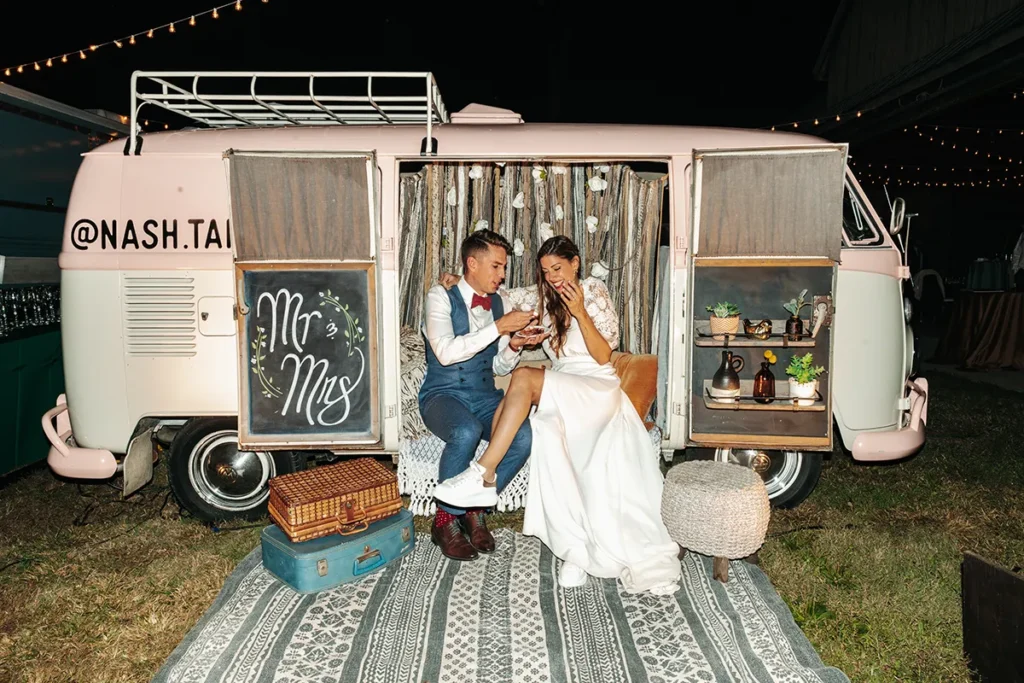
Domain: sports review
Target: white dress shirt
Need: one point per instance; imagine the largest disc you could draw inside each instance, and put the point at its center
(483, 330)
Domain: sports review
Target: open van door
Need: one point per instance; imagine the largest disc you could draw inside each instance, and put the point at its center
(307, 308)
(766, 226)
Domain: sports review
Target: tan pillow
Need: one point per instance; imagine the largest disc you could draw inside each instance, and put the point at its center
(638, 374)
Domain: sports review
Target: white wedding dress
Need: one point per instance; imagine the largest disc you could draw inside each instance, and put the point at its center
(595, 487)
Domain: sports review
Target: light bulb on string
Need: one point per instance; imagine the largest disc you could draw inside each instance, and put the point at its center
(238, 5)
(171, 29)
(150, 34)
(81, 54)
(64, 59)
(118, 43)
(192, 21)
(131, 41)
(215, 14)
(36, 65)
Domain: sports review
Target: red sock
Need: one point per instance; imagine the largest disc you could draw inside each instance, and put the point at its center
(442, 517)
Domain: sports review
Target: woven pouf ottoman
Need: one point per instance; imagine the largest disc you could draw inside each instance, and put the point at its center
(717, 509)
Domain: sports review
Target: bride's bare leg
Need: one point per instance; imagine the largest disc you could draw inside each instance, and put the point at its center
(523, 392)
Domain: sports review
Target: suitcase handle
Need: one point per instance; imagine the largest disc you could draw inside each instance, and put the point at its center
(345, 529)
(359, 568)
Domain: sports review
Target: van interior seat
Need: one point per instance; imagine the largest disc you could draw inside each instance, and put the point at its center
(420, 451)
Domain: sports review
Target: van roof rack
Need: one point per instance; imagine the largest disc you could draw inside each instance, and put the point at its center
(234, 99)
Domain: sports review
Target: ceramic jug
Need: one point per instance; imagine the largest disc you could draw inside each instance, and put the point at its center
(727, 378)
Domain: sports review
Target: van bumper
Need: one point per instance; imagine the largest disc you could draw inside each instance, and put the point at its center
(899, 443)
(69, 460)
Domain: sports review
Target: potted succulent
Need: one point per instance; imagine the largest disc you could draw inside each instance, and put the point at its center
(803, 378)
(725, 319)
(795, 326)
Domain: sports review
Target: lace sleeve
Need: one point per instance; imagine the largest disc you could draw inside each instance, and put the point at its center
(522, 298)
(602, 311)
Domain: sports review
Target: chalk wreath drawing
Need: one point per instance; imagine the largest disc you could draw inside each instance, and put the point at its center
(326, 391)
(354, 333)
(267, 382)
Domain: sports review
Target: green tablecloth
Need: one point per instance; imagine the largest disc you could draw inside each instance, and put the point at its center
(31, 378)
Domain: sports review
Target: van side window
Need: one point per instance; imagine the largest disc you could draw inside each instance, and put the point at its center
(858, 229)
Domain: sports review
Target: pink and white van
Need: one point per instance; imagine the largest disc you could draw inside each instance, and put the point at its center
(175, 242)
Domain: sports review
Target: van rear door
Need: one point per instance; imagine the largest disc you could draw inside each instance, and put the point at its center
(766, 226)
(307, 283)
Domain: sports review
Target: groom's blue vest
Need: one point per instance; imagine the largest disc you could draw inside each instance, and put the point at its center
(475, 375)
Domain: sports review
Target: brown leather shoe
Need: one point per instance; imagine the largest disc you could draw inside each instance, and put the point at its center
(474, 523)
(452, 542)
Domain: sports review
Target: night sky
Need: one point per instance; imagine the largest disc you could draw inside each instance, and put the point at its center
(729, 64)
(742, 64)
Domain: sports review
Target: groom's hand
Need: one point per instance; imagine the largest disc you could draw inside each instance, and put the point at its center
(513, 321)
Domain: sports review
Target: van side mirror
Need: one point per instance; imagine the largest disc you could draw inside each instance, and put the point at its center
(899, 209)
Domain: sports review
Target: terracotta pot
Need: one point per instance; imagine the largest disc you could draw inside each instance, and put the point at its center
(723, 326)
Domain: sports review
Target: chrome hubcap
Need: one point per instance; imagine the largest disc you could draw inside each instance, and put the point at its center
(227, 478)
(778, 469)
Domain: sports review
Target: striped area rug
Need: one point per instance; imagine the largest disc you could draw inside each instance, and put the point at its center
(500, 619)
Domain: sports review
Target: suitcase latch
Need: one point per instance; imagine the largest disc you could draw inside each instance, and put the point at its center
(321, 567)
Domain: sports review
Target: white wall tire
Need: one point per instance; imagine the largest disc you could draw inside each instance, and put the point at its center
(216, 482)
(790, 476)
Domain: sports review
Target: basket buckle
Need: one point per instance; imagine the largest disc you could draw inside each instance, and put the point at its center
(352, 519)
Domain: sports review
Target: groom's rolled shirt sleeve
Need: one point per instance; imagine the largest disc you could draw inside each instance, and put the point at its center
(507, 358)
(437, 327)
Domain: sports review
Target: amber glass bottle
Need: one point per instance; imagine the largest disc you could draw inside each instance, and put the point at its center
(764, 384)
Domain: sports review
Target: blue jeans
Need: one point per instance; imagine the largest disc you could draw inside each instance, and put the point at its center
(461, 422)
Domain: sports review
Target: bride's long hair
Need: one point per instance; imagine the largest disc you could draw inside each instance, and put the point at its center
(550, 300)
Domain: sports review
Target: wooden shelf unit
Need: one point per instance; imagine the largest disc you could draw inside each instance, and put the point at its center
(782, 402)
(777, 340)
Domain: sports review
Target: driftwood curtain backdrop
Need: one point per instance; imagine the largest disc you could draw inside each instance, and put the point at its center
(612, 214)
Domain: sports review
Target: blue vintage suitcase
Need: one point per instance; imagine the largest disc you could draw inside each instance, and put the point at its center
(328, 561)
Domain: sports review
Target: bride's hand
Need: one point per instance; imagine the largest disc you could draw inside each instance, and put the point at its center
(572, 295)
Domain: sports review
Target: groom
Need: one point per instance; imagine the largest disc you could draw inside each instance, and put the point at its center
(467, 332)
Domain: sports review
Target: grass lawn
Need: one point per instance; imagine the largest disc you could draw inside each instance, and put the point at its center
(93, 588)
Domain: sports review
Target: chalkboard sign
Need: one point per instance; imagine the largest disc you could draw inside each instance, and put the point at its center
(311, 371)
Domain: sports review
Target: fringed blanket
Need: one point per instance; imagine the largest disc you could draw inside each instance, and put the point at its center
(500, 619)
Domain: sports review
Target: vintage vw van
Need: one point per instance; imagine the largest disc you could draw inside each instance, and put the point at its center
(239, 291)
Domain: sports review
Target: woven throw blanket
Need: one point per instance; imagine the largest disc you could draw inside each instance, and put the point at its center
(500, 619)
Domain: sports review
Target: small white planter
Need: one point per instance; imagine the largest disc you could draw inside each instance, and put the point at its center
(806, 392)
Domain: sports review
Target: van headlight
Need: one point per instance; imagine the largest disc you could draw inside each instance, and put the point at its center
(908, 309)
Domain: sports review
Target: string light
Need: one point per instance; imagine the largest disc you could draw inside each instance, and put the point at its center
(993, 130)
(119, 42)
(815, 121)
(969, 148)
(974, 181)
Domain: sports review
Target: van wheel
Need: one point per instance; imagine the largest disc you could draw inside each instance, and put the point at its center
(215, 481)
(789, 476)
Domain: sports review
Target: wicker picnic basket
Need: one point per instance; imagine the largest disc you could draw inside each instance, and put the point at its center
(341, 498)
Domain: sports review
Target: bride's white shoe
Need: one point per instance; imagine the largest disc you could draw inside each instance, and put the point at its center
(466, 489)
(571, 576)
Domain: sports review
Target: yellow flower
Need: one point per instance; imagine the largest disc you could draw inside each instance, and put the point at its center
(770, 357)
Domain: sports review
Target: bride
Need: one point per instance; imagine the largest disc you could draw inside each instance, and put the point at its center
(595, 489)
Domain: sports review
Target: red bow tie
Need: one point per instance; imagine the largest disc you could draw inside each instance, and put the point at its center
(481, 301)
